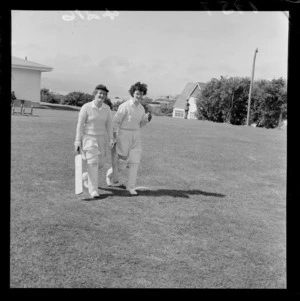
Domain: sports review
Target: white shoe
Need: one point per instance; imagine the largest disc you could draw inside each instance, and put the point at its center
(108, 177)
(85, 180)
(95, 194)
(109, 180)
(132, 192)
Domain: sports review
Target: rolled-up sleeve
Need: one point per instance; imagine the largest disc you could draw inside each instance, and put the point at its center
(82, 117)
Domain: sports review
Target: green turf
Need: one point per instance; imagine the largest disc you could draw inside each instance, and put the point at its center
(213, 216)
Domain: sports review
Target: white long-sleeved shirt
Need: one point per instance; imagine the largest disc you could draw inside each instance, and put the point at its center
(94, 121)
(129, 116)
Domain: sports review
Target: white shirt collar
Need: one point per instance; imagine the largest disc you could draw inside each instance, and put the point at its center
(104, 105)
(132, 103)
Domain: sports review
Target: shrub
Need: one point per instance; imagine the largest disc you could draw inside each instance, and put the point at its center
(166, 110)
(50, 97)
(226, 100)
(77, 99)
(109, 103)
(156, 111)
(117, 104)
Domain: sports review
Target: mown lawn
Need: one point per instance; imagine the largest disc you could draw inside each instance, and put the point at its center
(211, 211)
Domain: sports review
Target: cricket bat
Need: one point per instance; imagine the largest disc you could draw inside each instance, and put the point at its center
(78, 174)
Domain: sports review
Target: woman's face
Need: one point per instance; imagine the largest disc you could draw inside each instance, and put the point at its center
(100, 97)
(138, 95)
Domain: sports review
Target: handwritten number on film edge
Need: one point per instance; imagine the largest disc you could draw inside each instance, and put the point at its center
(90, 16)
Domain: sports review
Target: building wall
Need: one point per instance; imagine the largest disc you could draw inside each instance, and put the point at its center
(193, 108)
(26, 84)
(179, 113)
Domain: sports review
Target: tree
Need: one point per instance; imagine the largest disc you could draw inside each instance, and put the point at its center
(147, 99)
(109, 103)
(226, 100)
(45, 94)
(117, 104)
(269, 103)
(240, 92)
(167, 110)
(77, 99)
(223, 100)
(50, 97)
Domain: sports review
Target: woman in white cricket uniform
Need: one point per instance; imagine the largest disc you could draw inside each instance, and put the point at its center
(127, 122)
(94, 123)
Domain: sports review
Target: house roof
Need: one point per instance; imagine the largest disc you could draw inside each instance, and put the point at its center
(191, 89)
(25, 64)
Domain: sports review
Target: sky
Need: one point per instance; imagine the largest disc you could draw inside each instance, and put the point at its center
(164, 49)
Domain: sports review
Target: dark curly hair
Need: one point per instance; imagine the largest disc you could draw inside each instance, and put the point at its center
(138, 87)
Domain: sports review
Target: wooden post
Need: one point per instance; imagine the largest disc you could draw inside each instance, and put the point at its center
(251, 84)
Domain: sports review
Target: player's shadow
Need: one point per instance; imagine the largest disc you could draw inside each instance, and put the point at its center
(175, 193)
(116, 191)
(178, 193)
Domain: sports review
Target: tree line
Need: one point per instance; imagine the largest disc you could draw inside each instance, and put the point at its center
(226, 100)
(221, 100)
(78, 99)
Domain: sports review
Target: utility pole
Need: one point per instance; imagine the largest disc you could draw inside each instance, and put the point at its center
(251, 84)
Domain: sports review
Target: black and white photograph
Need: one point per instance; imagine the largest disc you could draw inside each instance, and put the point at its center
(149, 149)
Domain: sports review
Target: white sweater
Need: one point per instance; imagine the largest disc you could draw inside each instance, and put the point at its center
(129, 116)
(93, 121)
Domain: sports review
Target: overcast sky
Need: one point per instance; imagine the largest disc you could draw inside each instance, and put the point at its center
(163, 49)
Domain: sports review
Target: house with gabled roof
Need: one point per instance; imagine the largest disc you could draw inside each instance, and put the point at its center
(190, 92)
(26, 78)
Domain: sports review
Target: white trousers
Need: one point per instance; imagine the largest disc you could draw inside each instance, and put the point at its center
(94, 150)
(92, 170)
(117, 166)
(132, 175)
(128, 145)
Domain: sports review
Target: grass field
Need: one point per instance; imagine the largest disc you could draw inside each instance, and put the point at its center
(212, 213)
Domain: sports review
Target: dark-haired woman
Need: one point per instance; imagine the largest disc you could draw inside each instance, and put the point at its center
(127, 122)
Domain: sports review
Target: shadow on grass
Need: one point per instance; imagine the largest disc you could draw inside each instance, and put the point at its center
(178, 193)
(116, 191)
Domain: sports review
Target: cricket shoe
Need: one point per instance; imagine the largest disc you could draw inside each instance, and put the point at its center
(95, 195)
(85, 180)
(132, 192)
(109, 180)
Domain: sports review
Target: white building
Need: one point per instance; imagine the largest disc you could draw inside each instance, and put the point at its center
(190, 93)
(26, 78)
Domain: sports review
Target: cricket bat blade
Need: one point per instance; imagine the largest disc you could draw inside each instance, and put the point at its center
(78, 174)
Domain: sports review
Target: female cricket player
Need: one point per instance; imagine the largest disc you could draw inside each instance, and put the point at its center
(94, 122)
(127, 122)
